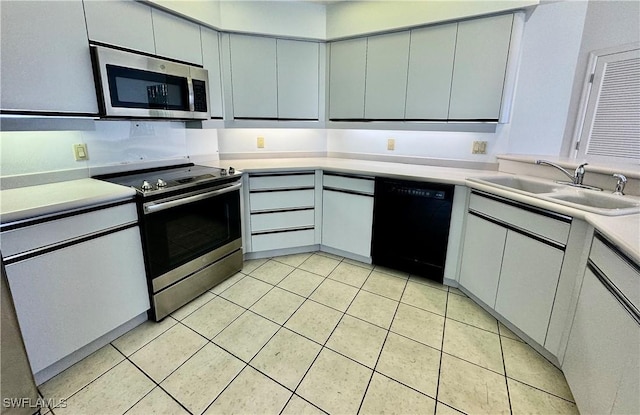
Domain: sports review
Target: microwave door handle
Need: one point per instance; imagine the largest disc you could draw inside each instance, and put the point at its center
(192, 106)
(153, 207)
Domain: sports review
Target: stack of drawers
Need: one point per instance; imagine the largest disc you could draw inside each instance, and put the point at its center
(282, 210)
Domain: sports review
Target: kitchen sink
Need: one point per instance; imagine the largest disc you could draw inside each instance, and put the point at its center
(599, 202)
(521, 184)
(603, 203)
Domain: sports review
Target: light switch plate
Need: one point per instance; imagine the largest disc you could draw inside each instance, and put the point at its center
(391, 144)
(260, 142)
(80, 152)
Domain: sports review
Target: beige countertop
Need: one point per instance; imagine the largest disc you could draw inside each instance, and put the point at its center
(33, 201)
(45, 199)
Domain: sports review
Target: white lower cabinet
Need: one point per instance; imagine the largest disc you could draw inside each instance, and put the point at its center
(347, 214)
(69, 297)
(602, 358)
(512, 260)
(282, 211)
(482, 258)
(528, 281)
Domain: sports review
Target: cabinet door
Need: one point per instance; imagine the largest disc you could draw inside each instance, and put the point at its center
(430, 70)
(528, 281)
(253, 77)
(298, 75)
(121, 23)
(176, 38)
(482, 258)
(74, 295)
(602, 342)
(46, 64)
(347, 221)
(347, 79)
(211, 62)
(386, 80)
(480, 65)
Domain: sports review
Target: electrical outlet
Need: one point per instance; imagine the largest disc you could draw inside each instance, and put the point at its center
(80, 152)
(260, 142)
(391, 144)
(479, 147)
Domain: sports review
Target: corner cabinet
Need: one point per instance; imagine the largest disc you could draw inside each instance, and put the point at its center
(602, 359)
(274, 78)
(347, 214)
(512, 260)
(46, 65)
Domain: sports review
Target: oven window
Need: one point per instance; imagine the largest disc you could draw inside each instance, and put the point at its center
(134, 88)
(183, 233)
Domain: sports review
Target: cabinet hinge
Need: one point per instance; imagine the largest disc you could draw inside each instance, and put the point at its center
(591, 78)
(577, 145)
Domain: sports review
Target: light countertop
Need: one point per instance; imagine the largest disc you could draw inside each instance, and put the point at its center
(34, 201)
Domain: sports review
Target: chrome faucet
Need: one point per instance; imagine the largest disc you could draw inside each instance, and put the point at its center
(576, 177)
(622, 181)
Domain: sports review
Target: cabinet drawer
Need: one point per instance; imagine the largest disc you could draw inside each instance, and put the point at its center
(353, 184)
(283, 240)
(46, 233)
(282, 220)
(620, 272)
(281, 181)
(282, 200)
(536, 223)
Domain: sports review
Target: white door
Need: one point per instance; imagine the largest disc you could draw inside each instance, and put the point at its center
(347, 222)
(298, 76)
(348, 60)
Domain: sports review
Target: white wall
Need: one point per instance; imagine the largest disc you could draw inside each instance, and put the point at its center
(111, 144)
(351, 18)
(240, 141)
(549, 54)
(421, 144)
(607, 24)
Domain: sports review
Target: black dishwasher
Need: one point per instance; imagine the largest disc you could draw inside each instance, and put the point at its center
(411, 226)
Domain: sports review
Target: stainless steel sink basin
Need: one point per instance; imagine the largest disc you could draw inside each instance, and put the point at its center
(523, 185)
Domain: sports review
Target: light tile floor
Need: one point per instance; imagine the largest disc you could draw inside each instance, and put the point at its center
(314, 333)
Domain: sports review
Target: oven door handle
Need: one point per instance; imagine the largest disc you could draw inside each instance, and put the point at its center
(153, 207)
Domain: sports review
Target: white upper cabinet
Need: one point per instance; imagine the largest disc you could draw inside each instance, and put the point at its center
(347, 79)
(298, 76)
(121, 23)
(176, 38)
(386, 76)
(46, 64)
(430, 70)
(253, 76)
(482, 49)
(211, 62)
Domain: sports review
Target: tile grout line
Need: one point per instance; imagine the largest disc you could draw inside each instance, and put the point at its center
(506, 379)
(373, 372)
(444, 326)
(157, 384)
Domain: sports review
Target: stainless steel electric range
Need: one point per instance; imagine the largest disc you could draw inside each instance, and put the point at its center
(190, 228)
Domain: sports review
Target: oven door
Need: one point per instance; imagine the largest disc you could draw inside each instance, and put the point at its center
(181, 232)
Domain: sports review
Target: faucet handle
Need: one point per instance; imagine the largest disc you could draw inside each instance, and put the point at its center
(622, 181)
(579, 173)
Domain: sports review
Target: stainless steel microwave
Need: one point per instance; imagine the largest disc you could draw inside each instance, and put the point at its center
(131, 85)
